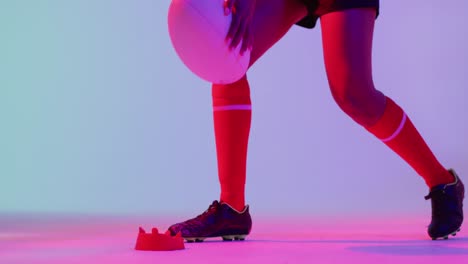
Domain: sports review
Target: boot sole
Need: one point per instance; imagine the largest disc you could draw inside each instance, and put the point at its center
(447, 236)
(225, 238)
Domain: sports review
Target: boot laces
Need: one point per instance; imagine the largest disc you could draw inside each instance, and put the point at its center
(438, 201)
(199, 219)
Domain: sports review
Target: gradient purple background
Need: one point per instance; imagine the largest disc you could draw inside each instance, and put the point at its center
(121, 126)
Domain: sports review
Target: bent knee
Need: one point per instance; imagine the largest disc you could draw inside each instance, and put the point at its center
(365, 106)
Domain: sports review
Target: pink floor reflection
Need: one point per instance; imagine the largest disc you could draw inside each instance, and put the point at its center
(87, 239)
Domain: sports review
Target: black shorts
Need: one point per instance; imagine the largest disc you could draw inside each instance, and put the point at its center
(318, 8)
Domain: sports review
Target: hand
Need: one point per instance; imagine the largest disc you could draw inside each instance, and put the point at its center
(241, 26)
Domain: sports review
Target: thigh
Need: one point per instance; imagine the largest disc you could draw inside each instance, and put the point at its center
(347, 45)
(271, 21)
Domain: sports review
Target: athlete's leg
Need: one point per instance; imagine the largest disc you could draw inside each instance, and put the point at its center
(232, 115)
(232, 105)
(347, 44)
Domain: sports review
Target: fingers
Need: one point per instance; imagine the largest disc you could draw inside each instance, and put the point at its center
(228, 6)
(239, 30)
(233, 30)
(247, 42)
(239, 33)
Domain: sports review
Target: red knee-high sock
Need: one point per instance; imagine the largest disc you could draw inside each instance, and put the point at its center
(232, 117)
(397, 131)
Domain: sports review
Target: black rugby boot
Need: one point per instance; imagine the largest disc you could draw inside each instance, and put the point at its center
(447, 208)
(219, 220)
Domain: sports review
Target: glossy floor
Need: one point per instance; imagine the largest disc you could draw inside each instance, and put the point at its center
(30, 239)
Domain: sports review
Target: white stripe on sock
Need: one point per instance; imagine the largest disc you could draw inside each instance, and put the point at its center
(232, 107)
(398, 130)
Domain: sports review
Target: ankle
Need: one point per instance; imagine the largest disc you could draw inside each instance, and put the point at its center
(239, 206)
(445, 178)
